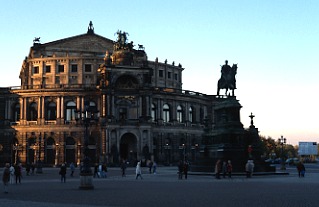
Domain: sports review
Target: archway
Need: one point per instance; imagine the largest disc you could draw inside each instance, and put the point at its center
(128, 148)
(50, 151)
(70, 150)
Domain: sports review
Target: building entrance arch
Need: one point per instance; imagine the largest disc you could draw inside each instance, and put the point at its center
(128, 148)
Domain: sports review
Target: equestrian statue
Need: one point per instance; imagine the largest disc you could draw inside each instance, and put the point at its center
(227, 80)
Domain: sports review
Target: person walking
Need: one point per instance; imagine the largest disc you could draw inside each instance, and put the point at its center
(229, 169)
(150, 165)
(32, 168)
(154, 167)
(11, 174)
(104, 170)
(138, 171)
(63, 172)
(224, 169)
(17, 173)
(185, 169)
(27, 169)
(180, 170)
(217, 169)
(249, 168)
(72, 168)
(123, 168)
(301, 169)
(6, 177)
(96, 171)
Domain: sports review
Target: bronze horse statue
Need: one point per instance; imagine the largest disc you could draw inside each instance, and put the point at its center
(228, 80)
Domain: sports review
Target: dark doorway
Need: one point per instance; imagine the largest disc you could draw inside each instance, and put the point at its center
(70, 150)
(128, 148)
(50, 151)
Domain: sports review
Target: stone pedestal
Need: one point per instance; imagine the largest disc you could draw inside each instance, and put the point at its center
(86, 180)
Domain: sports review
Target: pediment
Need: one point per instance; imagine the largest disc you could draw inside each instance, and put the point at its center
(85, 42)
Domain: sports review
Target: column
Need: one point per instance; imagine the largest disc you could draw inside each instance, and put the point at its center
(62, 108)
(21, 101)
(58, 110)
(78, 103)
(103, 106)
(39, 109)
(42, 110)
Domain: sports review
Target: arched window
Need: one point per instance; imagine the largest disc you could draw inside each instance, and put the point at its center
(51, 111)
(166, 117)
(191, 114)
(179, 114)
(93, 109)
(70, 111)
(33, 112)
(16, 112)
(153, 112)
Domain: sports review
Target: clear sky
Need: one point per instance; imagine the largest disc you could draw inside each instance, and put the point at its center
(274, 42)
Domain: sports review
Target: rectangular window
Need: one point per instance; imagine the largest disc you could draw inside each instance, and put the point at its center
(61, 68)
(175, 76)
(48, 69)
(87, 68)
(160, 73)
(36, 70)
(57, 80)
(74, 68)
(169, 75)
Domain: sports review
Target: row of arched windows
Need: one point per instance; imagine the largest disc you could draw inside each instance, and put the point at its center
(50, 111)
(180, 113)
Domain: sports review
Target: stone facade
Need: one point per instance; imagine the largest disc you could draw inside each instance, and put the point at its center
(143, 112)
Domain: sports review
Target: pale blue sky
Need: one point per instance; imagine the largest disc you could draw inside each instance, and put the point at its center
(274, 42)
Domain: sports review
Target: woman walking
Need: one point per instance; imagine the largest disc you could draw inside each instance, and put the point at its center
(138, 171)
(6, 177)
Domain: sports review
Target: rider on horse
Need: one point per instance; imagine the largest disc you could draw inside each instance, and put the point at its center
(227, 80)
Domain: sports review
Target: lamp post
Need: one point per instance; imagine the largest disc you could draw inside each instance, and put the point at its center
(167, 153)
(57, 149)
(86, 175)
(282, 142)
(184, 147)
(196, 149)
(15, 148)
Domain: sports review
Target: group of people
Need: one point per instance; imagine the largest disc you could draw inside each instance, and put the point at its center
(100, 170)
(151, 166)
(224, 168)
(10, 173)
(183, 167)
(63, 170)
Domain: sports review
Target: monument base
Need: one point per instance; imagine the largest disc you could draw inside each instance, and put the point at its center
(86, 180)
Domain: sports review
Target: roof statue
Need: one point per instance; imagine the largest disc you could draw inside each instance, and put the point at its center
(227, 79)
(121, 41)
(36, 40)
(90, 28)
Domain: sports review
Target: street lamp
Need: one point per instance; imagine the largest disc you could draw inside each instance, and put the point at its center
(86, 175)
(167, 147)
(184, 152)
(15, 148)
(57, 149)
(282, 142)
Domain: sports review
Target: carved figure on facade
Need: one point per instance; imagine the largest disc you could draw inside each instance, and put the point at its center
(227, 80)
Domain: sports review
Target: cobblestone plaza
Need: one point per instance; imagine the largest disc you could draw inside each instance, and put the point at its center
(164, 189)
